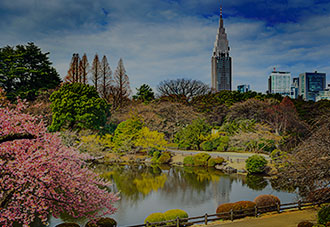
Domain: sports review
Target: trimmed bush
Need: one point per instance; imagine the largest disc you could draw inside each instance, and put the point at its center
(255, 164)
(305, 224)
(201, 159)
(175, 213)
(243, 205)
(164, 158)
(155, 217)
(207, 146)
(238, 207)
(264, 201)
(68, 225)
(224, 208)
(323, 216)
(215, 161)
(102, 222)
(188, 161)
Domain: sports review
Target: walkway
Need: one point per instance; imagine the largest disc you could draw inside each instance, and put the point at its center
(285, 219)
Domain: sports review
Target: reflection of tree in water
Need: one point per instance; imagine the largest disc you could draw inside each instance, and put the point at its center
(256, 182)
(134, 182)
(280, 187)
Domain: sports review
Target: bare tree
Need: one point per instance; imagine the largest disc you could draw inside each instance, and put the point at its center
(308, 165)
(96, 71)
(183, 87)
(83, 68)
(73, 72)
(106, 78)
(120, 91)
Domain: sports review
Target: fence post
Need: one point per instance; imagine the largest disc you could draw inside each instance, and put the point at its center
(278, 207)
(231, 215)
(177, 222)
(299, 205)
(255, 211)
(205, 219)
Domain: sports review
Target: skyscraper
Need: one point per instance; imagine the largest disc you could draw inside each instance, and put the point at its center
(279, 83)
(310, 84)
(221, 61)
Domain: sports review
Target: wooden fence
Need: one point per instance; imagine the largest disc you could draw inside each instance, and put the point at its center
(232, 215)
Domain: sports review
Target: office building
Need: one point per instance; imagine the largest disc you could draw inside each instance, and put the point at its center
(279, 83)
(310, 84)
(243, 88)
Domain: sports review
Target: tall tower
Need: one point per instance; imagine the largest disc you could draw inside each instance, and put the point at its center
(221, 61)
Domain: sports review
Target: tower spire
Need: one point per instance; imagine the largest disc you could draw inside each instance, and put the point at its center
(220, 11)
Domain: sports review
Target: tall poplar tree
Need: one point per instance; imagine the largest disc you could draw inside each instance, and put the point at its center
(96, 71)
(106, 78)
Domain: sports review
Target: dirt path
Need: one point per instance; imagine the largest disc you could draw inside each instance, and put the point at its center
(286, 219)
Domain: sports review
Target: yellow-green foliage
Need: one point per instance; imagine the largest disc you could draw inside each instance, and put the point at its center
(95, 143)
(147, 140)
(188, 161)
(175, 213)
(201, 159)
(155, 217)
(148, 183)
(215, 161)
(164, 158)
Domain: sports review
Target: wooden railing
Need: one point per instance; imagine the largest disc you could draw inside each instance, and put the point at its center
(232, 215)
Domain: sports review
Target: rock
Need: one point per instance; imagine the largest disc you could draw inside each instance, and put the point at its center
(241, 171)
(229, 169)
(220, 167)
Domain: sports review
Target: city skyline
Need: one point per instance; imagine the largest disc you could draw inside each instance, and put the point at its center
(161, 40)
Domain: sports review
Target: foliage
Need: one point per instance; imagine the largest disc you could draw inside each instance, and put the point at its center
(144, 94)
(175, 213)
(147, 140)
(255, 164)
(201, 159)
(206, 146)
(77, 106)
(190, 137)
(266, 201)
(188, 161)
(42, 175)
(237, 126)
(155, 217)
(215, 161)
(102, 222)
(24, 70)
(323, 215)
(106, 78)
(305, 224)
(96, 144)
(238, 207)
(186, 88)
(225, 207)
(164, 158)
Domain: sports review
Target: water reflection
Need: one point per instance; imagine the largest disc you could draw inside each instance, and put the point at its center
(148, 189)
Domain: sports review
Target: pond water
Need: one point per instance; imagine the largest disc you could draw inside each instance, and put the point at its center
(148, 189)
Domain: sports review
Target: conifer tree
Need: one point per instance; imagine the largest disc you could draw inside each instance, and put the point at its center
(73, 72)
(121, 90)
(106, 78)
(96, 71)
(84, 69)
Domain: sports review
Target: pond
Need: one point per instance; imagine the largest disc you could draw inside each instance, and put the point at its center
(148, 189)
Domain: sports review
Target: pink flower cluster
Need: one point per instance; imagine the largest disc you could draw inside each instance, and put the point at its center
(40, 176)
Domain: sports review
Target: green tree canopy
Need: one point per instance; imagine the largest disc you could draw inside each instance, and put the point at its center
(24, 70)
(77, 106)
(144, 94)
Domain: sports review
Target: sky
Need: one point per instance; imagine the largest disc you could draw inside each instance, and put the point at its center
(169, 39)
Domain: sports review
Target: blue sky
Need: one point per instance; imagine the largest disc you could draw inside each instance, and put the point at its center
(169, 39)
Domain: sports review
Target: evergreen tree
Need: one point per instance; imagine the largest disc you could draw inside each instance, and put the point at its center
(24, 70)
(144, 94)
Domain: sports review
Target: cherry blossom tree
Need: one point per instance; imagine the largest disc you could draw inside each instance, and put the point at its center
(41, 176)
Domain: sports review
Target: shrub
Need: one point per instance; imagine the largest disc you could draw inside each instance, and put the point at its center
(102, 222)
(267, 201)
(165, 157)
(155, 217)
(305, 224)
(68, 225)
(323, 216)
(319, 225)
(255, 164)
(155, 156)
(207, 146)
(215, 161)
(221, 143)
(188, 161)
(243, 205)
(201, 159)
(224, 208)
(175, 213)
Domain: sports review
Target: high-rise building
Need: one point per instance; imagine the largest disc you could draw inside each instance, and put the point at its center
(243, 88)
(221, 61)
(279, 83)
(295, 88)
(310, 84)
